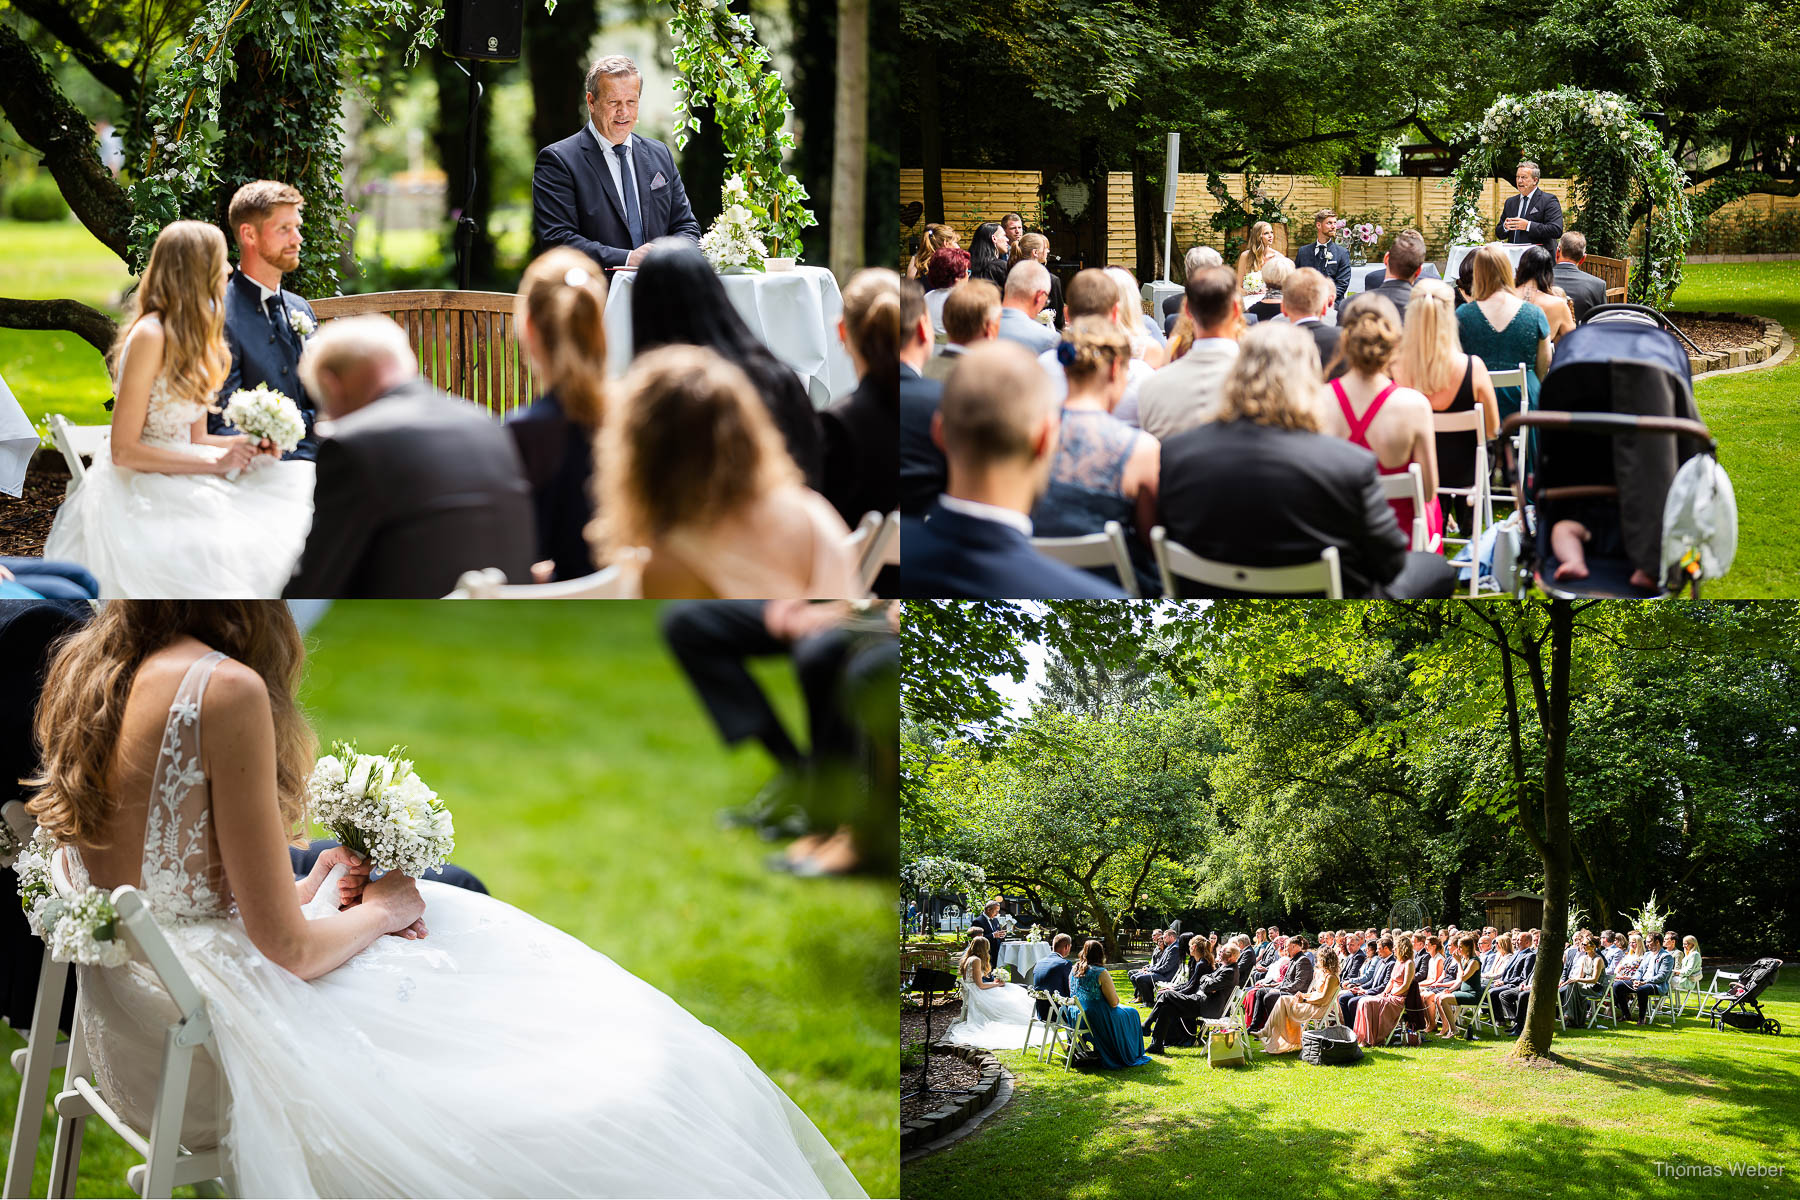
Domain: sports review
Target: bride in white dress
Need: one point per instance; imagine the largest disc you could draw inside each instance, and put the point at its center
(158, 514)
(994, 1015)
(478, 1052)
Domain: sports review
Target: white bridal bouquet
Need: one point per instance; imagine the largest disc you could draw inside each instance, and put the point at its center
(733, 240)
(263, 412)
(1253, 284)
(81, 929)
(378, 807)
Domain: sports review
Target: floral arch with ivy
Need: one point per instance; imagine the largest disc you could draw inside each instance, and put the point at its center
(318, 44)
(1617, 155)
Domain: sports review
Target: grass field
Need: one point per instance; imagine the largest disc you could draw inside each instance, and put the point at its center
(585, 780)
(54, 371)
(1444, 1120)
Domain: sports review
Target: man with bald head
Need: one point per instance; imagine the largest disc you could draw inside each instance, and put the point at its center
(1027, 291)
(997, 425)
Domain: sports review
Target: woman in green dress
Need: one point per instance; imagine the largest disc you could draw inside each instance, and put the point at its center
(1499, 327)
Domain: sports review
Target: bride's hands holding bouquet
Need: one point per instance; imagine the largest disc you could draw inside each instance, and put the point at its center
(239, 453)
(349, 885)
(398, 896)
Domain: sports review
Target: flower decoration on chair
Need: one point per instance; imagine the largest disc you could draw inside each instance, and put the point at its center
(722, 64)
(1618, 157)
(82, 928)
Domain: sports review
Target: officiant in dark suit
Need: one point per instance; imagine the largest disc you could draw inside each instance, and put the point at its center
(266, 326)
(607, 191)
(1324, 255)
(1533, 215)
(991, 928)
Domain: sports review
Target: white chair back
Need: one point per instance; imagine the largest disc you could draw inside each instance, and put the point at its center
(1515, 378)
(621, 581)
(1104, 549)
(883, 550)
(77, 443)
(1410, 486)
(858, 541)
(1175, 561)
(1479, 494)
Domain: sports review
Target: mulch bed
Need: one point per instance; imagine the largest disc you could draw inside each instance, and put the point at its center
(25, 522)
(1718, 333)
(947, 1074)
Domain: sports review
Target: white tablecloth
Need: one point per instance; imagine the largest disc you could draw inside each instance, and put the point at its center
(1457, 253)
(1021, 955)
(1359, 274)
(795, 314)
(17, 442)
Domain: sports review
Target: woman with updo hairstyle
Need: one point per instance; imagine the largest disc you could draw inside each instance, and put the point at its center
(560, 320)
(1374, 412)
(1104, 470)
(696, 487)
(948, 267)
(862, 455)
(936, 237)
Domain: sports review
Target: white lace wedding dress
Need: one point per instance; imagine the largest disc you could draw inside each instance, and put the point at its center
(495, 1057)
(993, 1018)
(145, 534)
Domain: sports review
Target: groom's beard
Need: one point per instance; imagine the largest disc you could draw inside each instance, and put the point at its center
(284, 262)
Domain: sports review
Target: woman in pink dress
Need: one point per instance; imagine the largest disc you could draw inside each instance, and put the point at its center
(1374, 412)
(1377, 1015)
(1281, 1034)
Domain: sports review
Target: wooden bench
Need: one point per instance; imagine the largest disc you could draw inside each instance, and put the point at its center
(464, 341)
(1615, 273)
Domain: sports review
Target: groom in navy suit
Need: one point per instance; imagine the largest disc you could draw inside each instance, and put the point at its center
(606, 191)
(1324, 255)
(265, 324)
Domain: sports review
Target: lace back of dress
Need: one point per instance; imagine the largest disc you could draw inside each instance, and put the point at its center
(182, 875)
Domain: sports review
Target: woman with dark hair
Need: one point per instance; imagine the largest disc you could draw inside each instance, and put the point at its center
(1118, 1029)
(987, 255)
(1536, 280)
(679, 301)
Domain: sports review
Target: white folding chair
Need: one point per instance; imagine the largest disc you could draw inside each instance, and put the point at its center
(45, 1050)
(1484, 1011)
(1410, 486)
(167, 1164)
(77, 444)
(1480, 494)
(1175, 561)
(1067, 1035)
(1037, 994)
(1515, 378)
(1665, 1005)
(883, 550)
(621, 581)
(1713, 991)
(1604, 1007)
(1229, 1016)
(1104, 549)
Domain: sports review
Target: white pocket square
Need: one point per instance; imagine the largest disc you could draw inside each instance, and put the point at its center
(658, 182)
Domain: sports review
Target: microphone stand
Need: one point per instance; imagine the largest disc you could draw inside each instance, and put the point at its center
(466, 227)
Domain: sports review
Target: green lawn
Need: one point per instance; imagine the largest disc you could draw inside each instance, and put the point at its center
(1445, 1120)
(54, 371)
(1756, 418)
(586, 781)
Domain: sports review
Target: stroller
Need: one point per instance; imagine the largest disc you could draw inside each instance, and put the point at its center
(1736, 1008)
(1617, 444)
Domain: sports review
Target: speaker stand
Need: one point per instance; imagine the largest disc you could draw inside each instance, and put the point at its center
(466, 227)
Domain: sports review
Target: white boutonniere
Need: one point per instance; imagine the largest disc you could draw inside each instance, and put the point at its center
(300, 323)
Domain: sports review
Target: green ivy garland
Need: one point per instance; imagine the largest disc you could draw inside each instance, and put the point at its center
(186, 169)
(1615, 153)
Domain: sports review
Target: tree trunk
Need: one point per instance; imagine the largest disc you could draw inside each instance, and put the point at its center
(50, 124)
(931, 137)
(92, 326)
(556, 56)
(1540, 1013)
(850, 139)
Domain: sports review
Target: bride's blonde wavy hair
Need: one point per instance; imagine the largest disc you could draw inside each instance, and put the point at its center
(183, 284)
(89, 682)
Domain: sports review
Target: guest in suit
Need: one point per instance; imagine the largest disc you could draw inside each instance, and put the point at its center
(1377, 276)
(1372, 982)
(605, 190)
(1402, 264)
(696, 486)
(1175, 1018)
(679, 301)
(1052, 972)
(1354, 955)
(1652, 978)
(861, 442)
(1261, 484)
(1325, 256)
(1533, 215)
(1198, 259)
(1164, 963)
(1298, 979)
(1305, 300)
(922, 469)
(1514, 981)
(559, 318)
(998, 431)
(1185, 393)
(415, 487)
(1583, 290)
(1027, 291)
(971, 316)
(266, 326)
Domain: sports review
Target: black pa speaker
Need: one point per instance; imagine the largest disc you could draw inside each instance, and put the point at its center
(490, 30)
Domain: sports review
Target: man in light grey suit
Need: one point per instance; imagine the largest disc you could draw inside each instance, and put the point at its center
(1027, 291)
(1186, 392)
(1584, 291)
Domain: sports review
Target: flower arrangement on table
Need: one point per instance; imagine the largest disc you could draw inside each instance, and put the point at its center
(1362, 237)
(1035, 936)
(735, 239)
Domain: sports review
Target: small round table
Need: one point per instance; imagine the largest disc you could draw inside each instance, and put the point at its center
(1022, 956)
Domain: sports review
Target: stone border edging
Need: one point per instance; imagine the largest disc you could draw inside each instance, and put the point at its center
(1752, 354)
(958, 1111)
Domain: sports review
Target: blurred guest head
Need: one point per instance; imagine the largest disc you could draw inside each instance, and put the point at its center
(1027, 287)
(1406, 255)
(561, 317)
(1274, 381)
(1212, 301)
(1199, 258)
(1305, 293)
(1572, 247)
(1371, 334)
(916, 334)
(946, 267)
(1493, 272)
(1095, 357)
(1538, 268)
(997, 426)
(870, 326)
(972, 312)
(1430, 342)
(1090, 294)
(936, 237)
(353, 361)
